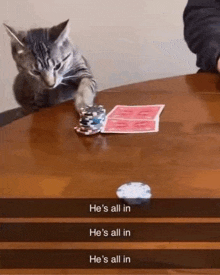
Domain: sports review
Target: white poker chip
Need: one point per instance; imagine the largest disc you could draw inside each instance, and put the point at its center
(134, 192)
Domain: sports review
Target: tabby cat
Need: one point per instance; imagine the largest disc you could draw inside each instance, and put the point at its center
(51, 69)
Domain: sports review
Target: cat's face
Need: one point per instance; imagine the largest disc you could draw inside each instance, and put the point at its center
(45, 54)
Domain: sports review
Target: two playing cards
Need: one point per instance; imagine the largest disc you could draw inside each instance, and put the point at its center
(133, 119)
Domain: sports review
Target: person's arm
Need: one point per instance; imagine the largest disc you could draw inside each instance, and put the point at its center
(202, 32)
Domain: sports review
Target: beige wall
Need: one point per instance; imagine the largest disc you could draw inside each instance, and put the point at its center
(125, 41)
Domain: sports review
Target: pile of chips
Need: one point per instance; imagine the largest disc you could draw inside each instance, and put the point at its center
(91, 120)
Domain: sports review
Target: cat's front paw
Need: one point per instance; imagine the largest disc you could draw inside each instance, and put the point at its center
(41, 100)
(29, 108)
(82, 102)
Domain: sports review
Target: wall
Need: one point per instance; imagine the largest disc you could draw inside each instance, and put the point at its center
(125, 41)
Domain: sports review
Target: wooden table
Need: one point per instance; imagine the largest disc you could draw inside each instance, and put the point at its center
(43, 157)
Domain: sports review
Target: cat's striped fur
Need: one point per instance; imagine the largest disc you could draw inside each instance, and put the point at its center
(51, 69)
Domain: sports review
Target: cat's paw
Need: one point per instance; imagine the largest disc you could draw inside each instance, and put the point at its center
(41, 104)
(20, 113)
(41, 100)
(82, 101)
(29, 108)
(79, 103)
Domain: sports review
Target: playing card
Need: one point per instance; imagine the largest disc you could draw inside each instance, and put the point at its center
(149, 112)
(130, 126)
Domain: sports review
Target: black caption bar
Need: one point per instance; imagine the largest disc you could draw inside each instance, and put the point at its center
(102, 259)
(109, 208)
(110, 232)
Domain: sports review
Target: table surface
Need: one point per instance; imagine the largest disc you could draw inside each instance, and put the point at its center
(43, 157)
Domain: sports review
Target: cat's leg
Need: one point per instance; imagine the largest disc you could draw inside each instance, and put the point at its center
(24, 94)
(85, 93)
(42, 99)
(26, 91)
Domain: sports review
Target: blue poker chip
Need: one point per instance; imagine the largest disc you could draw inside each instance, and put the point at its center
(134, 192)
(94, 121)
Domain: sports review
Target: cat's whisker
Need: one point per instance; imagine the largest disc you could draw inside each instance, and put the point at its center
(71, 76)
(63, 84)
(78, 75)
(69, 71)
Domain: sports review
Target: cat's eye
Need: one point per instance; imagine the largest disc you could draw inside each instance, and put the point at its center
(35, 72)
(57, 67)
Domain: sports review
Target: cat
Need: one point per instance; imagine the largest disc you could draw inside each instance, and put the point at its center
(51, 69)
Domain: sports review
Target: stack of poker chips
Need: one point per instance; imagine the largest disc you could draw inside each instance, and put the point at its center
(92, 119)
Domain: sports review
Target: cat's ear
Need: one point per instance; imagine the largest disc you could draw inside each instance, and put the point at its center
(59, 33)
(14, 36)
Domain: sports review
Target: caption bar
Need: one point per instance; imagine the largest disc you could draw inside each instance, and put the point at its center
(102, 259)
(109, 208)
(110, 232)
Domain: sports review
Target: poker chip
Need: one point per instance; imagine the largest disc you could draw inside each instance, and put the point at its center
(93, 111)
(91, 120)
(134, 192)
(86, 132)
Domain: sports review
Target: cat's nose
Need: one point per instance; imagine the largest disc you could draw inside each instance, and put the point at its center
(49, 80)
(50, 86)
